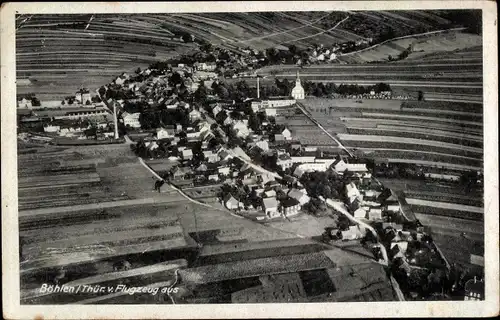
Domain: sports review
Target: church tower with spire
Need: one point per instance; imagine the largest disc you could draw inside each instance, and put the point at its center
(298, 90)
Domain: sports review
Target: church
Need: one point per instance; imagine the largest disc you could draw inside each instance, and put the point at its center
(298, 90)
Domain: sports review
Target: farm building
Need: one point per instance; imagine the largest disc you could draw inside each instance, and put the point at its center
(340, 166)
(73, 113)
(273, 102)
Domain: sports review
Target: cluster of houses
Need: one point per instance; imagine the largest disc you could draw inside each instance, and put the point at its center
(262, 195)
(79, 129)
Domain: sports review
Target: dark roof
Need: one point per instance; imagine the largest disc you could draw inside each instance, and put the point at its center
(289, 202)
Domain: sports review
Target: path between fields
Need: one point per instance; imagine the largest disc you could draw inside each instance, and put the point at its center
(319, 33)
(182, 193)
(342, 209)
(306, 113)
(403, 37)
(285, 31)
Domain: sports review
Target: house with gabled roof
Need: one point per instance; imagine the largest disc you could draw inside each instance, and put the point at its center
(287, 134)
(187, 154)
(290, 207)
(163, 133)
(194, 115)
(231, 203)
(360, 213)
(270, 206)
(375, 214)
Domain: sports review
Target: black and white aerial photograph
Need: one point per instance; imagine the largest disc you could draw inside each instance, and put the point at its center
(250, 157)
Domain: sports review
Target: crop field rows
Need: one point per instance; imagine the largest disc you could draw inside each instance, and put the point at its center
(422, 45)
(448, 76)
(116, 43)
(305, 130)
(87, 52)
(45, 182)
(426, 133)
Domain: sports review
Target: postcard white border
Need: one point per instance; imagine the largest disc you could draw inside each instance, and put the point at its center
(10, 265)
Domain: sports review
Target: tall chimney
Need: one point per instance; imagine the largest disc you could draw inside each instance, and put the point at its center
(258, 88)
(115, 120)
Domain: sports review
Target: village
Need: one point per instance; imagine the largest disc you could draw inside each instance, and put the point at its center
(227, 137)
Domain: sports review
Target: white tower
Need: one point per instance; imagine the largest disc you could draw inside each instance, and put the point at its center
(258, 88)
(298, 90)
(115, 120)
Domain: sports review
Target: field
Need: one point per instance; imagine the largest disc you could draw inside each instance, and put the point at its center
(304, 130)
(57, 54)
(423, 47)
(430, 134)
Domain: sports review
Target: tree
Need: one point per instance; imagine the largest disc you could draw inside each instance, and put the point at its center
(343, 222)
(175, 79)
(102, 91)
(187, 37)
(200, 95)
(420, 95)
(35, 102)
(138, 70)
(63, 102)
(88, 103)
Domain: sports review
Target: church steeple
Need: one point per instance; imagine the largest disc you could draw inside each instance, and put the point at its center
(298, 91)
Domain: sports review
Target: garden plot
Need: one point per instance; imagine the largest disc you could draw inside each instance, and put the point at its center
(418, 118)
(443, 133)
(256, 267)
(351, 121)
(448, 138)
(445, 197)
(414, 154)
